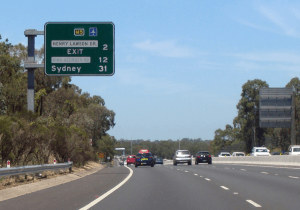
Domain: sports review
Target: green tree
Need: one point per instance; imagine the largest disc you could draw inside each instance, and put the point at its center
(247, 120)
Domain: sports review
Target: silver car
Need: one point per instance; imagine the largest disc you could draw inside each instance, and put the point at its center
(182, 156)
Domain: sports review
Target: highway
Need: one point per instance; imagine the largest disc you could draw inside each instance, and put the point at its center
(203, 186)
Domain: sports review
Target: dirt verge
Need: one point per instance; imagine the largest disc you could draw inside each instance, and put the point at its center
(17, 180)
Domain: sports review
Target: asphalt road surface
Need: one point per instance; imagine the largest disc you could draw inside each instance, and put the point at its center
(203, 186)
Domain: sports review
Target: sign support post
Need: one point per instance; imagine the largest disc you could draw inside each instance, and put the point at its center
(31, 65)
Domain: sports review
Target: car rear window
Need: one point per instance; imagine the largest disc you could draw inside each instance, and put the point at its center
(183, 153)
(261, 150)
(144, 155)
(204, 153)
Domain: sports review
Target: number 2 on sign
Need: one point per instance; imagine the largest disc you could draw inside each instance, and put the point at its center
(102, 68)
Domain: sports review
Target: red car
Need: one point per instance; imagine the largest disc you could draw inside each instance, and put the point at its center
(130, 159)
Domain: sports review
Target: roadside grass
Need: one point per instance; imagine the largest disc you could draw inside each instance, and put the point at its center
(16, 180)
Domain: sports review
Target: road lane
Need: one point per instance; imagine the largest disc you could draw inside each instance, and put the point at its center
(165, 188)
(71, 195)
(270, 191)
(202, 186)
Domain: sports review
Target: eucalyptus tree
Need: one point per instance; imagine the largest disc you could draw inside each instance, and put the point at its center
(247, 120)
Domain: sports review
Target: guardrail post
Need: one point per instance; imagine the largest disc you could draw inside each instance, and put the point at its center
(54, 161)
(8, 163)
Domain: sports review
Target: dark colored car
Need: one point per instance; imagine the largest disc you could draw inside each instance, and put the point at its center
(159, 161)
(144, 159)
(203, 157)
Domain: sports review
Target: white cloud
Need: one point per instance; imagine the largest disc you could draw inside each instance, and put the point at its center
(165, 48)
(279, 17)
(274, 61)
(277, 57)
(283, 18)
(156, 85)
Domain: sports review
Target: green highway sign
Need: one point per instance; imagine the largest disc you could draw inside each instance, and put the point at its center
(79, 49)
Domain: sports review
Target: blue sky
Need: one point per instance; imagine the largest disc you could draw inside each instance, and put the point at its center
(180, 65)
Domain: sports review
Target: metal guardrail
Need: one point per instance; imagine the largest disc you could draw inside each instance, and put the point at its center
(33, 169)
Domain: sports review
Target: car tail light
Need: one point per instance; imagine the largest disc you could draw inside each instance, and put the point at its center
(198, 156)
(209, 156)
(190, 156)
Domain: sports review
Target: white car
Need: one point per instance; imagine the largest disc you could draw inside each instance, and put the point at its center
(294, 150)
(260, 151)
(238, 154)
(224, 154)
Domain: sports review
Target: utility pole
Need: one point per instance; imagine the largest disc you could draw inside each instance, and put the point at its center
(293, 130)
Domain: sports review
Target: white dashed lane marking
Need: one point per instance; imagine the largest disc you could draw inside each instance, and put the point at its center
(235, 193)
(186, 171)
(225, 188)
(243, 169)
(264, 172)
(294, 177)
(253, 203)
(207, 179)
(196, 174)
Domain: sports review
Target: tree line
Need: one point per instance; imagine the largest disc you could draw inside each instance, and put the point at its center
(163, 148)
(246, 130)
(65, 118)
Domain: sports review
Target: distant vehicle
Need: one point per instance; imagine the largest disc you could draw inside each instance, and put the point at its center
(159, 161)
(143, 151)
(203, 157)
(294, 150)
(224, 154)
(260, 151)
(144, 159)
(238, 154)
(182, 156)
(130, 159)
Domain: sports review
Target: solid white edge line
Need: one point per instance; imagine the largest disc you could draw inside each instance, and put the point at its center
(108, 192)
(253, 203)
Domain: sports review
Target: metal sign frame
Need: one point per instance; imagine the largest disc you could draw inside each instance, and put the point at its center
(275, 107)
